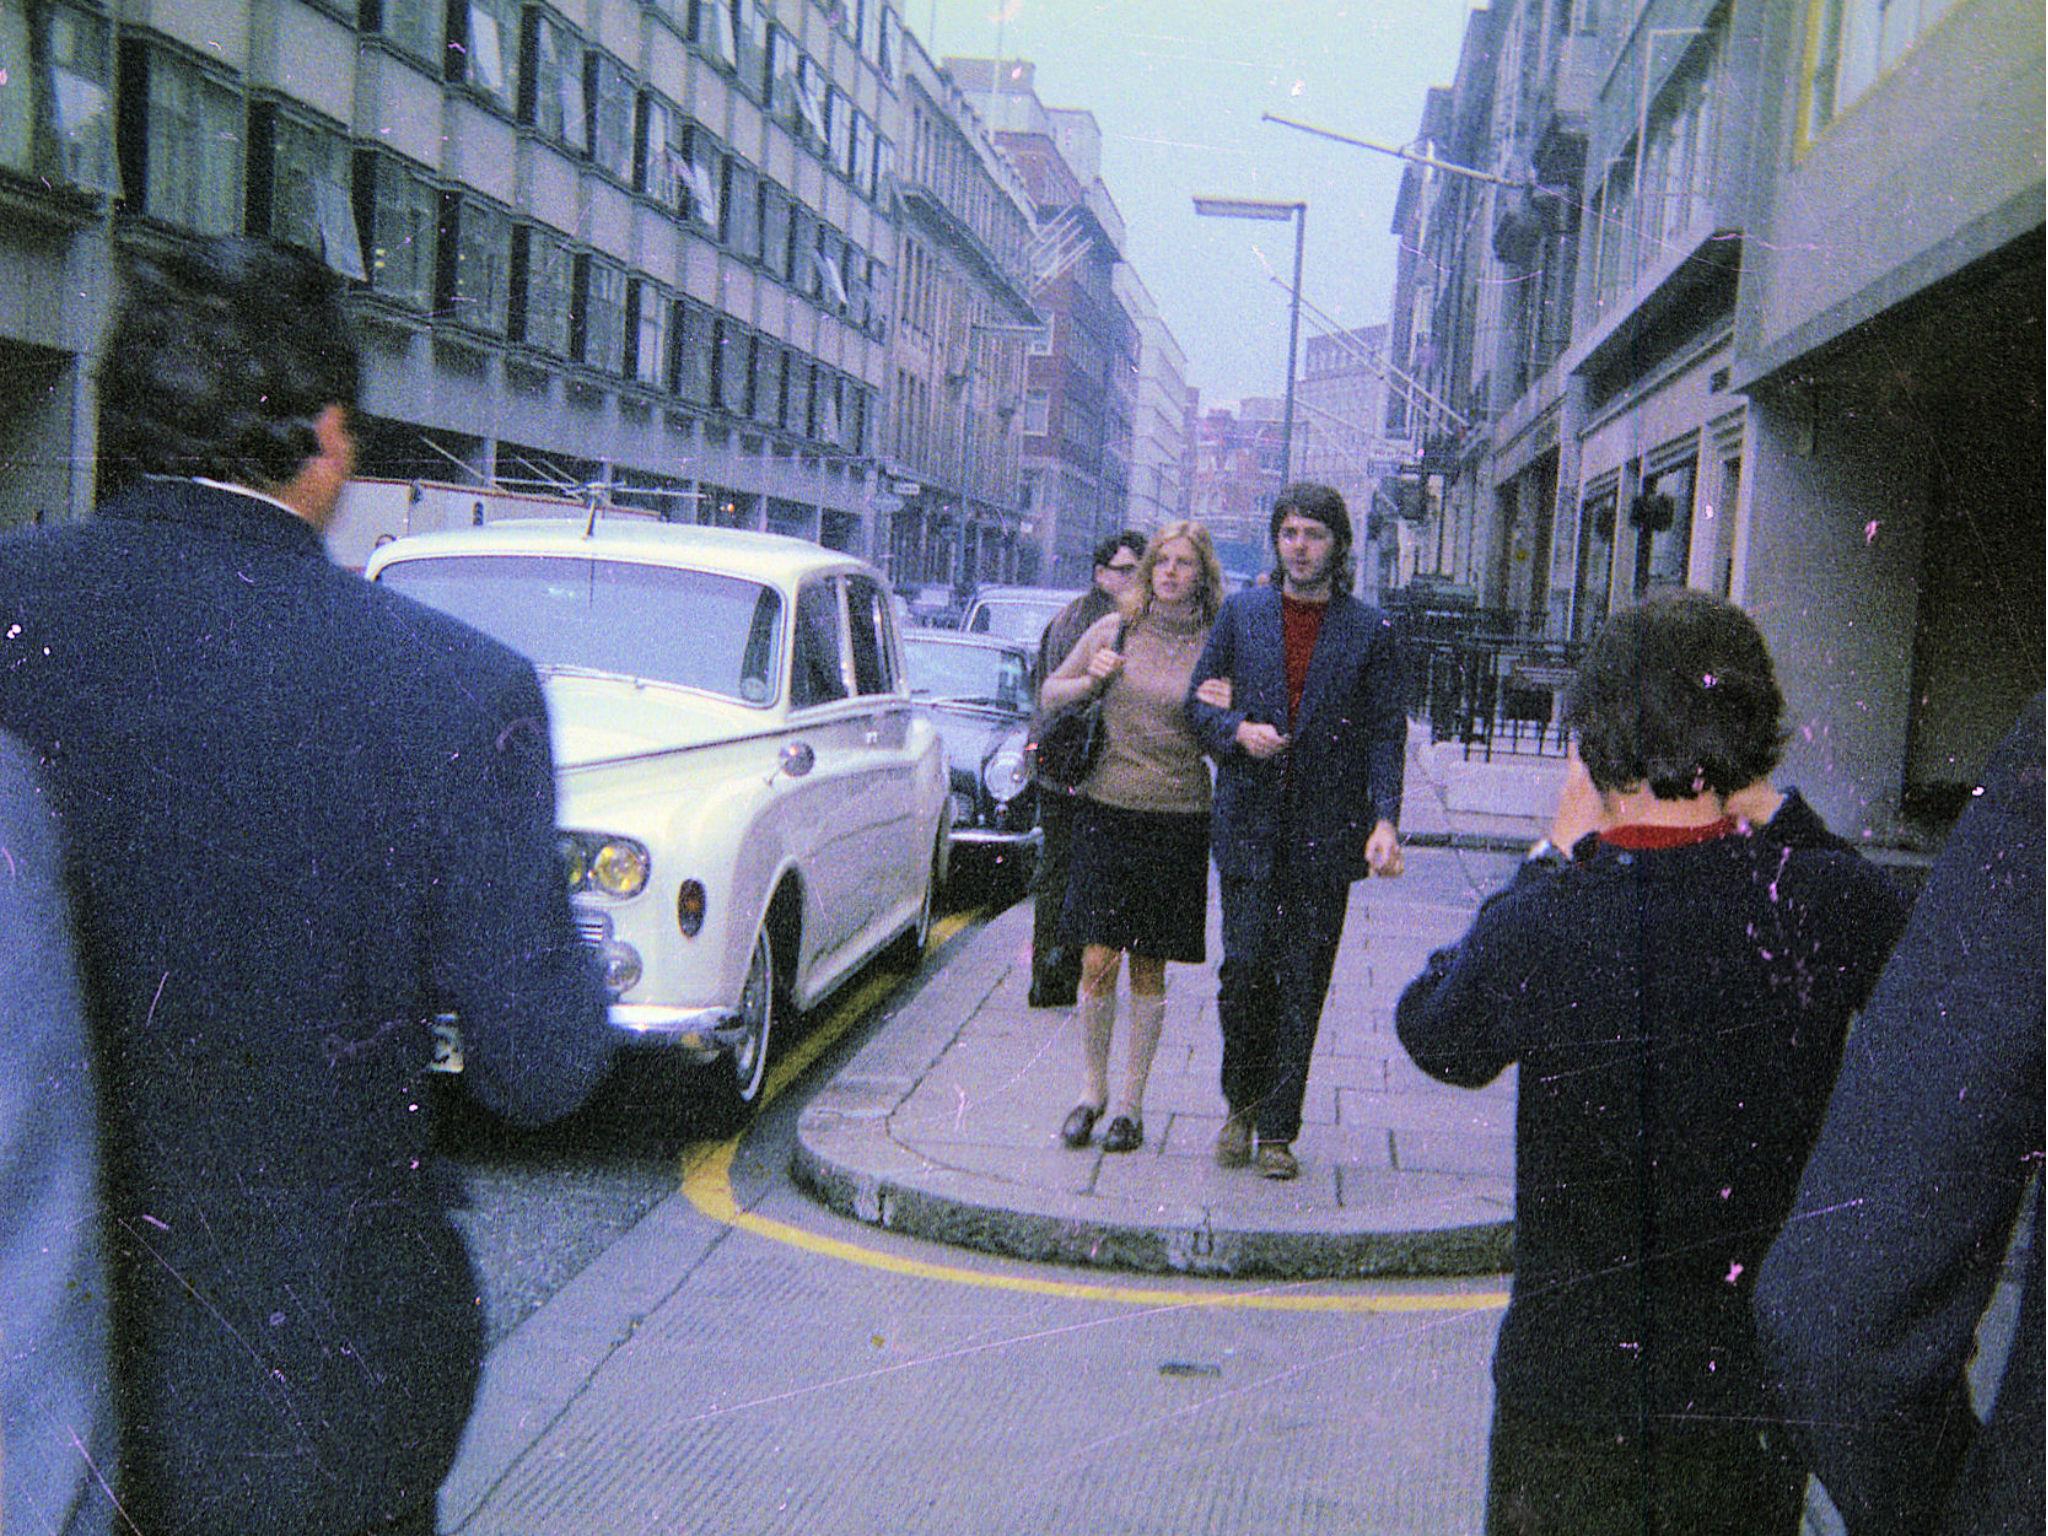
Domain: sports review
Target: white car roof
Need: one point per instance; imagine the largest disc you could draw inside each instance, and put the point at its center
(770, 558)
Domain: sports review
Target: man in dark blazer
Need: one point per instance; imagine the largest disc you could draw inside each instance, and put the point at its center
(1870, 1299)
(302, 816)
(1310, 739)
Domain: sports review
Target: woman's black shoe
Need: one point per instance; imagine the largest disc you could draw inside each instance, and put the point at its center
(1080, 1125)
(1124, 1135)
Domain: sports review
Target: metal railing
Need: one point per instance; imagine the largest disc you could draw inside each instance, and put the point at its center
(1493, 693)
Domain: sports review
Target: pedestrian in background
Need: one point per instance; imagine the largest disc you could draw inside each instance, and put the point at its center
(1056, 968)
(57, 1430)
(1871, 1297)
(1140, 881)
(1675, 991)
(303, 816)
(1310, 741)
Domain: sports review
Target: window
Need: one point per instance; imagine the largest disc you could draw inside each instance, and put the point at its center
(884, 175)
(830, 257)
(867, 627)
(740, 203)
(597, 315)
(472, 280)
(552, 97)
(825, 406)
(838, 131)
(695, 344)
(811, 96)
(1596, 562)
(853, 418)
(543, 276)
(711, 31)
(181, 142)
(803, 246)
(74, 89)
(400, 208)
(774, 217)
(480, 48)
(860, 153)
(867, 29)
(751, 29)
(413, 25)
(817, 674)
(779, 78)
(1856, 41)
(857, 297)
(299, 189)
(1662, 517)
(609, 91)
(702, 176)
(1037, 411)
(1040, 343)
(877, 286)
(735, 371)
(796, 402)
(655, 167)
(891, 46)
(647, 312)
(768, 364)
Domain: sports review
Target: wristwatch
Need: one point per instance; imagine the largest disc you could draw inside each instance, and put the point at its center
(1544, 851)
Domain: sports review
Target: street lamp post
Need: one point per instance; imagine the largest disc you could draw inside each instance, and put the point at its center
(1266, 208)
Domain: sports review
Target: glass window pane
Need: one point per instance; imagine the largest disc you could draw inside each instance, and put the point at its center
(815, 664)
(401, 233)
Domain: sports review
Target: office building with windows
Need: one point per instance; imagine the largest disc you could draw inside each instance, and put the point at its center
(644, 246)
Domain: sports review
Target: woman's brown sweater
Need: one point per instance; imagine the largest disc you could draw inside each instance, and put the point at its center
(1150, 759)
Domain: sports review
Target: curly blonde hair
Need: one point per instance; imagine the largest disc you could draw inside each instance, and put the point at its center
(1137, 602)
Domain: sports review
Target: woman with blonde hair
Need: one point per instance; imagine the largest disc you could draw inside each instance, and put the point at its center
(1140, 879)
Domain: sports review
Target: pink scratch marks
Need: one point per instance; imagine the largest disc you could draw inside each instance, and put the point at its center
(1870, 531)
(1734, 1274)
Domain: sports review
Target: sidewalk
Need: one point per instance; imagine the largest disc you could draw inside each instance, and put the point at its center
(945, 1126)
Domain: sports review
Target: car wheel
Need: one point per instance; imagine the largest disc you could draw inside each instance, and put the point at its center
(737, 1080)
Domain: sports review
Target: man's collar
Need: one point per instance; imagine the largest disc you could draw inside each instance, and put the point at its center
(233, 510)
(242, 490)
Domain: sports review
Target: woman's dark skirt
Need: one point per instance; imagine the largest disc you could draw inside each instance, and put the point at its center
(1139, 881)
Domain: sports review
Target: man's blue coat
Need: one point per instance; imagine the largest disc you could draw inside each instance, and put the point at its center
(1343, 771)
(302, 815)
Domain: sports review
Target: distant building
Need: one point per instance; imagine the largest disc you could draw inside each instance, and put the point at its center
(964, 317)
(1159, 435)
(1341, 439)
(1081, 388)
(1237, 476)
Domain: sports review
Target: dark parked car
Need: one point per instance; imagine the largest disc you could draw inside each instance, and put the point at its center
(979, 692)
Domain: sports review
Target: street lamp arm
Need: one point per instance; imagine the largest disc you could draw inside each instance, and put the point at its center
(1404, 154)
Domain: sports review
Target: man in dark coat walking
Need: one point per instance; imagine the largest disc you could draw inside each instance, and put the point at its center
(302, 816)
(1310, 742)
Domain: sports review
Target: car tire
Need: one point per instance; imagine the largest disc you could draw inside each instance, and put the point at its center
(909, 947)
(737, 1079)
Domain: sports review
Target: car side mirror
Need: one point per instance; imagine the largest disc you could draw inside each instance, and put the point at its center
(797, 759)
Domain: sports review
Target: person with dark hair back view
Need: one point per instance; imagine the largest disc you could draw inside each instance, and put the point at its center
(303, 816)
(1674, 984)
(1055, 966)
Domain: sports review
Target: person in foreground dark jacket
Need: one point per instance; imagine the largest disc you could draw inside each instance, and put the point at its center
(303, 816)
(1870, 1299)
(57, 1447)
(1674, 991)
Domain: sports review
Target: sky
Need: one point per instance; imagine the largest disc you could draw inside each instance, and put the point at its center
(1178, 87)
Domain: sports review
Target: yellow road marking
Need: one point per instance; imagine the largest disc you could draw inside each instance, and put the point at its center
(707, 1184)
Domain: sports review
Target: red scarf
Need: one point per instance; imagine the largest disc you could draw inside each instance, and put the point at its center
(1640, 838)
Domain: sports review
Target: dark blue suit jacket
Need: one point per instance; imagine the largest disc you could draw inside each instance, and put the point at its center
(302, 814)
(1869, 1300)
(1343, 771)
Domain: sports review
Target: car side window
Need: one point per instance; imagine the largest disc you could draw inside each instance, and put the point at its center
(867, 627)
(1014, 686)
(817, 675)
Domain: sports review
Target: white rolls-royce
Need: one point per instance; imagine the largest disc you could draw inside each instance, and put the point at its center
(750, 805)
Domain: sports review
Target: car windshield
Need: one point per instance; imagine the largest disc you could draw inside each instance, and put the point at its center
(975, 674)
(1016, 618)
(698, 629)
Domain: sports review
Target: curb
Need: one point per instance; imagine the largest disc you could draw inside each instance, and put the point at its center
(847, 1159)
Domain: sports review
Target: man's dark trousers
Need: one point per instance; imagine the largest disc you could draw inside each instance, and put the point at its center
(1280, 937)
(1055, 965)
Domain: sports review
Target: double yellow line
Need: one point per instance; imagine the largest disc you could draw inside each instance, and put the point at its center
(707, 1184)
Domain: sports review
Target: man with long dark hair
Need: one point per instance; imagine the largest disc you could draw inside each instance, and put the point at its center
(1675, 986)
(303, 817)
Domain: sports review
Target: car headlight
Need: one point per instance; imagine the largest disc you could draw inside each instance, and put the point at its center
(1006, 772)
(610, 866)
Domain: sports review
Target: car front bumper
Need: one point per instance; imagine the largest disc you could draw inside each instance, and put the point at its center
(702, 1033)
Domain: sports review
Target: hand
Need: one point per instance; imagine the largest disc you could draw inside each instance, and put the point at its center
(1383, 850)
(1215, 692)
(1754, 804)
(1260, 740)
(1579, 808)
(1105, 664)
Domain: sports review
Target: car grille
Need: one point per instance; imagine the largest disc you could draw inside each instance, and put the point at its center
(593, 928)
